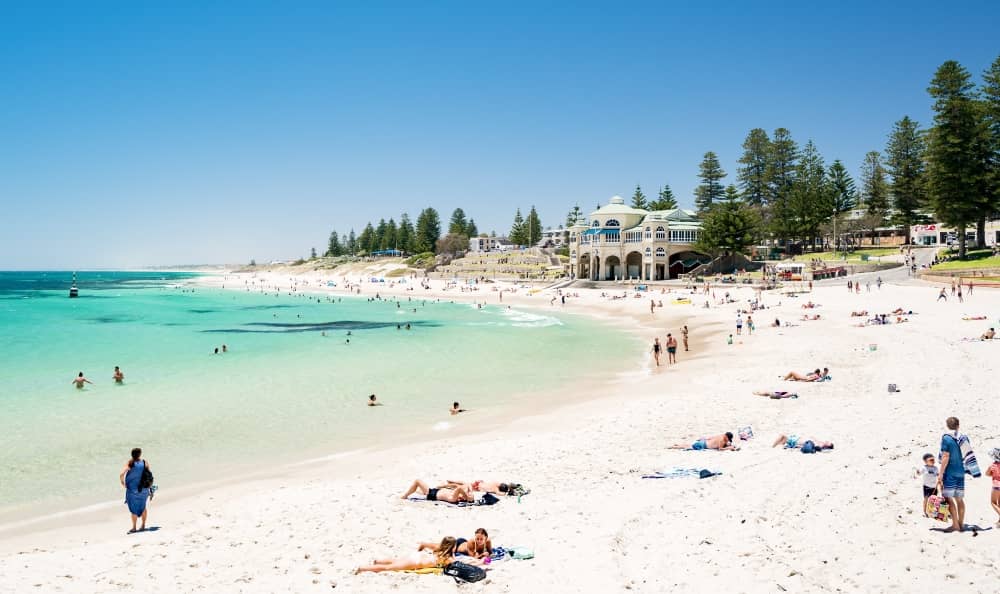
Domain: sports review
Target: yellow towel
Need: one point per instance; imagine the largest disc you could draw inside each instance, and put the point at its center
(432, 570)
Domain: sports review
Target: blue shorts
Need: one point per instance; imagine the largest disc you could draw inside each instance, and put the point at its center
(953, 486)
(699, 445)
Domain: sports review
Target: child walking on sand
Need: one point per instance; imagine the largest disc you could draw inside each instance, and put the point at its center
(930, 474)
(994, 472)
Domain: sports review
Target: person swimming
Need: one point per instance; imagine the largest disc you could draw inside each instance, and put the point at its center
(373, 402)
(456, 408)
(119, 377)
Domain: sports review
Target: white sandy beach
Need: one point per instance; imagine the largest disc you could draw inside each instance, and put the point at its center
(844, 520)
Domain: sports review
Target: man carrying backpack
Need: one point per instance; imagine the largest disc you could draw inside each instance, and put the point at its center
(951, 480)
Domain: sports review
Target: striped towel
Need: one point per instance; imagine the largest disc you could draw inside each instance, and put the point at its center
(968, 457)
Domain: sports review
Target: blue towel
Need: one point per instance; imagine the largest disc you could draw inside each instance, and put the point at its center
(968, 457)
(682, 472)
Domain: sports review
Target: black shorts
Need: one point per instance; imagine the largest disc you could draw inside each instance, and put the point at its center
(928, 491)
(432, 494)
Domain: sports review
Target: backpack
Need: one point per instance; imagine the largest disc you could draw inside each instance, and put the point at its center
(146, 480)
(463, 572)
(488, 499)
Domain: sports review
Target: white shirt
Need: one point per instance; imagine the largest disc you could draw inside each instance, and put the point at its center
(930, 475)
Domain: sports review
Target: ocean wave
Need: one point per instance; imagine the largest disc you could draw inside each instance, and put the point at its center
(523, 319)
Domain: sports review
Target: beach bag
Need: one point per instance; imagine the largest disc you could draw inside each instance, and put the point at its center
(146, 480)
(463, 572)
(488, 499)
(893, 388)
(937, 508)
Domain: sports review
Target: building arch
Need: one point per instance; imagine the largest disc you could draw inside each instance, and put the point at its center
(661, 233)
(612, 268)
(612, 223)
(685, 261)
(633, 265)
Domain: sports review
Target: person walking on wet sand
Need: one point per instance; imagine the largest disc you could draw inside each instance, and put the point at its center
(684, 337)
(656, 350)
(671, 349)
(943, 295)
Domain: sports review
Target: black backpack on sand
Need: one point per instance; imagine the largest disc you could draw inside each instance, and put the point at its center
(463, 572)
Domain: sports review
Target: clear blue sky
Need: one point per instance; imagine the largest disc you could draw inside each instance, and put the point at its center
(138, 134)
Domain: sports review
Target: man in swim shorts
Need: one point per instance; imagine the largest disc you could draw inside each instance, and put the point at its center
(671, 349)
(80, 380)
(723, 441)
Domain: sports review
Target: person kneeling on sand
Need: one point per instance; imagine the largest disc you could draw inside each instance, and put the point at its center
(454, 494)
(808, 446)
(723, 441)
(442, 555)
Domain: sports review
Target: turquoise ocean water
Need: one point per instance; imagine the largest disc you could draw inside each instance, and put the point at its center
(283, 392)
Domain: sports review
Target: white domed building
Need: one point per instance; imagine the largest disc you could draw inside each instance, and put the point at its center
(618, 242)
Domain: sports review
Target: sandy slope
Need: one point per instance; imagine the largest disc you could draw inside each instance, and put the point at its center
(846, 520)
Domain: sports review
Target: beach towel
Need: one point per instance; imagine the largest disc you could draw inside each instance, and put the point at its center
(937, 508)
(745, 433)
(682, 472)
(478, 502)
(968, 457)
(425, 570)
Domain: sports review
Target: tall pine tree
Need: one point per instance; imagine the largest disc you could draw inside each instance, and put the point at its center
(458, 225)
(352, 243)
(710, 189)
(843, 196)
(874, 191)
(405, 234)
(533, 226)
(729, 226)
(470, 229)
(428, 231)
(956, 151)
(572, 216)
(752, 172)
(782, 159)
(665, 200)
(366, 241)
(810, 195)
(904, 160)
(518, 232)
(639, 199)
(991, 110)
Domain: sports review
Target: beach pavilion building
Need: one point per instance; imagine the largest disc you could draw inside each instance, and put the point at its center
(618, 242)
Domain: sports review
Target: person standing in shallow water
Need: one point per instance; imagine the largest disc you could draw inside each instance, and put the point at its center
(80, 380)
(119, 377)
(136, 494)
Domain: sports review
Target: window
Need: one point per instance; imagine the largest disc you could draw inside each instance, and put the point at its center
(596, 223)
(661, 233)
(649, 252)
(611, 238)
(649, 234)
(612, 223)
(572, 253)
(660, 252)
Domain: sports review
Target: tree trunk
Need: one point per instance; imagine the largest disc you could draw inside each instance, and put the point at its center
(981, 233)
(961, 242)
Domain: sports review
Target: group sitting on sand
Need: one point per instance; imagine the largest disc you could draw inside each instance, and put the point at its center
(813, 376)
(723, 441)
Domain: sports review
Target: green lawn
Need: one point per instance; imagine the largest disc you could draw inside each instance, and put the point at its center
(855, 256)
(973, 259)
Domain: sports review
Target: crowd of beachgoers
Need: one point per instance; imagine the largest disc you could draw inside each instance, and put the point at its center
(591, 470)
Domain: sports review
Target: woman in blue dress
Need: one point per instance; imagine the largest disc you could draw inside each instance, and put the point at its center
(135, 497)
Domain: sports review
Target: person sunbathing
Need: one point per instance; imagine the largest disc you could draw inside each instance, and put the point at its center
(792, 442)
(859, 314)
(900, 311)
(723, 441)
(810, 318)
(440, 556)
(482, 486)
(477, 548)
(776, 394)
(799, 377)
(988, 335)
(454, 494)
(808, 305)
